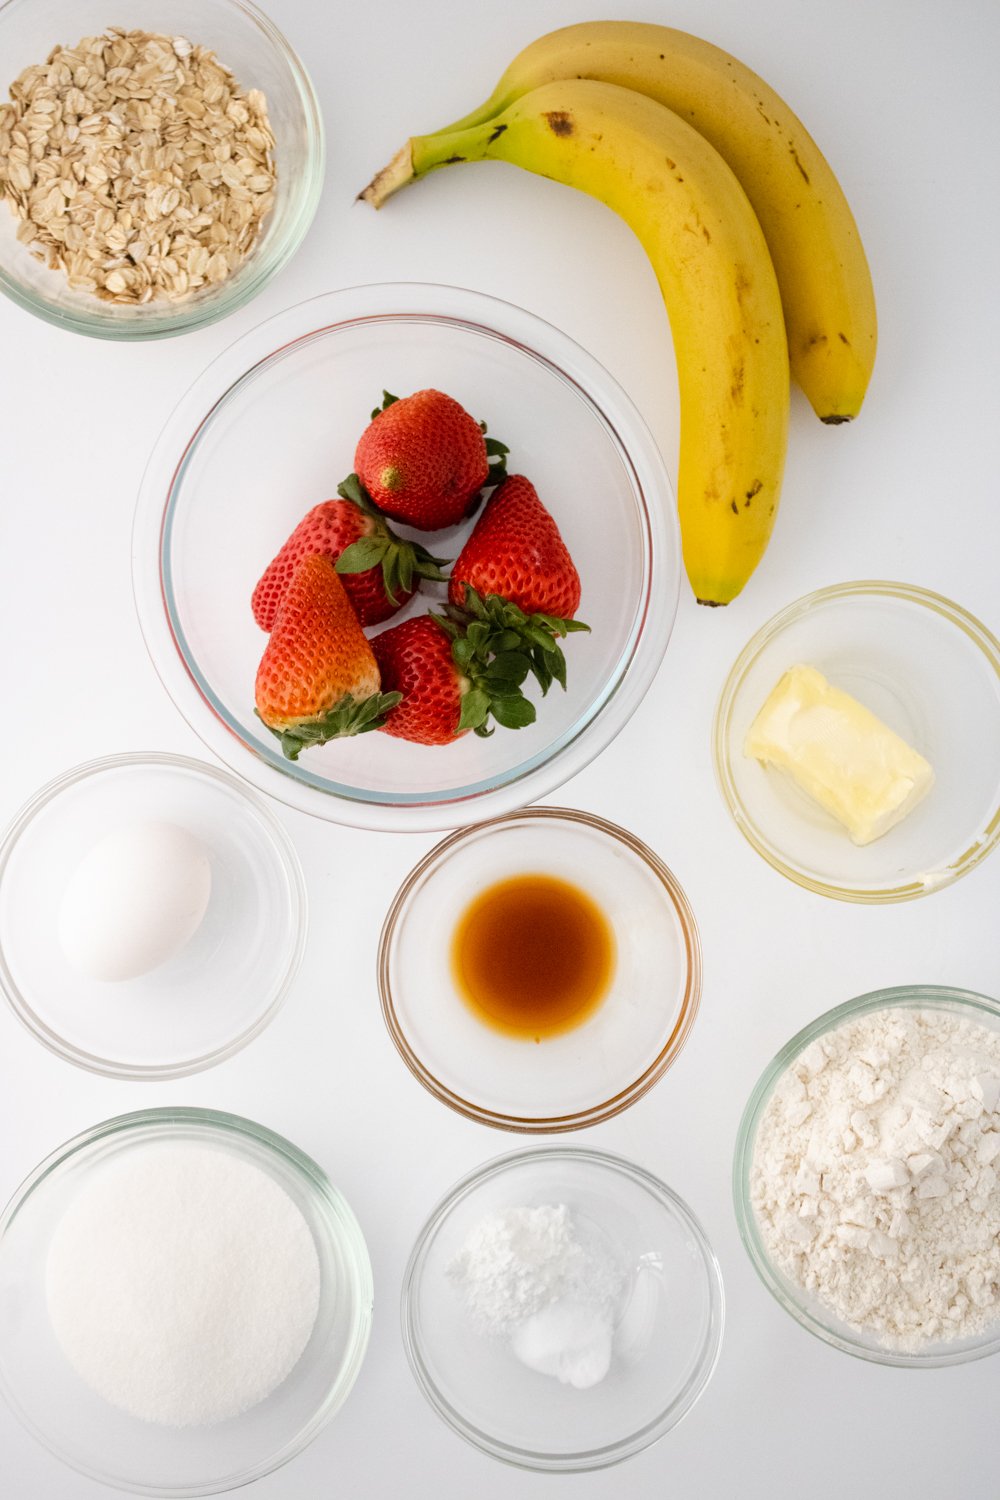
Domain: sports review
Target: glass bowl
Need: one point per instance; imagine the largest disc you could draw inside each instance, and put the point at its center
(270, 429)
(932, 673)
(578, 1077)
(668, 1327)
(803, 1305)
(206, 1001)
(145, 1458)
(251, 46)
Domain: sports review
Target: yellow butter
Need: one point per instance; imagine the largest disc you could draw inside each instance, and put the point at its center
(839, 752)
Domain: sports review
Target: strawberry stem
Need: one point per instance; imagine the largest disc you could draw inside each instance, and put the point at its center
(402, 561)
(348, 717)
(495, 627)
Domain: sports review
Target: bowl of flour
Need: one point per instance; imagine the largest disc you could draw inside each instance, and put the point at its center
(185, 1301)
(867, 1176)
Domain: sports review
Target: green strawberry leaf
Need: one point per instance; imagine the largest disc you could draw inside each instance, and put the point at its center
(513, 713)
(512, 666)
(348, 717)
(367, 552)
(475, 709)
(387, 401)
(402, 561)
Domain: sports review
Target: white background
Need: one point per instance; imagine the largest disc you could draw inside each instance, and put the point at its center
(902, 95)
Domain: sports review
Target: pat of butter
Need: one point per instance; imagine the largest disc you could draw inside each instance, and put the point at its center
(851, 763)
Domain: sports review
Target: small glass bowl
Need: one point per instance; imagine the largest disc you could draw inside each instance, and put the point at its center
(668, 1330)
(251, 46)
(271, 428)
(578, 1077)
(803, 1305)
(108, 1445)
(931, 672)
(206, 1001)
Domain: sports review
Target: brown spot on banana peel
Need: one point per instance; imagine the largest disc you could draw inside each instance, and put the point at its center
(795, 159)
(496, 134)
(559, 122)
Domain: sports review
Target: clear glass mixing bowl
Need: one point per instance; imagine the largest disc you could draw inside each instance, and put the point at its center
(109, 1445)
(270, 429)
(252, 47)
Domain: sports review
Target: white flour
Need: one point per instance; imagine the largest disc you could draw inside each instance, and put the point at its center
(527, 1275)
(183, 1284)
(874, 1176)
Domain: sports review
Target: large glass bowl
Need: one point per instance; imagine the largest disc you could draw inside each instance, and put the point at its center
(668, 1330)
(109, 1445)
(252, 47)
(270, 429)
(802, 1304)
(929, 670)
(579, 1077)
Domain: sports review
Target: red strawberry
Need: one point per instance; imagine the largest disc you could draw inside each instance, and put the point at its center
(516, 551)
(423, 459)
(318, 679)
(379, 570)
(450, 683)
(415, 660)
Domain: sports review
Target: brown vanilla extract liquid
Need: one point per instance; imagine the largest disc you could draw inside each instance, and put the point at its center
(533, 956)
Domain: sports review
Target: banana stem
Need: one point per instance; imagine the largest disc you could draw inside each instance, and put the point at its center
(422, 154)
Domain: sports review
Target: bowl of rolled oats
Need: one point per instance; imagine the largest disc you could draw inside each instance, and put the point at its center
(156, 172)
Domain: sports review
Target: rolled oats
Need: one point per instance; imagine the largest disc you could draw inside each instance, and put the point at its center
(136, 164)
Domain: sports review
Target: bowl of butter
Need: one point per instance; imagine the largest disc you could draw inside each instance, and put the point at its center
(857, 741)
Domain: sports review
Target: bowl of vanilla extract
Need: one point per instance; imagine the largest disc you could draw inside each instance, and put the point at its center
(541, 971)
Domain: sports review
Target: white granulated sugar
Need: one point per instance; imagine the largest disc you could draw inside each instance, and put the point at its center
(183, 1284)
(874, 1176)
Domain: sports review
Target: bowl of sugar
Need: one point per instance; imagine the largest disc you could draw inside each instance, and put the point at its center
(185, 1301)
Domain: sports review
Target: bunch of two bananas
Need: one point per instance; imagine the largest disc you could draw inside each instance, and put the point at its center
(754, 246)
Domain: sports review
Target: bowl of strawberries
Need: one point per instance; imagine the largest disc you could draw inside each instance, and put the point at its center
(406, 557)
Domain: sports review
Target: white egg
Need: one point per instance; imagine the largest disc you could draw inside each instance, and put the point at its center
(134, 901)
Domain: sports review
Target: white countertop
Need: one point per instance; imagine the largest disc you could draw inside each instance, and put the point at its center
(902, 97)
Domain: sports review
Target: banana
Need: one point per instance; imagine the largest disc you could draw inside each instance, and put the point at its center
(826, 287)
(706, 247)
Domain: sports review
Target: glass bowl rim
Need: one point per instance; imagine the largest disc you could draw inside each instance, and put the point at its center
(427, 867)
(166, 321)
(954, 614)
(652, 1432)
(904, 996)
(342, 1226)
(642, 650)
(284, 851)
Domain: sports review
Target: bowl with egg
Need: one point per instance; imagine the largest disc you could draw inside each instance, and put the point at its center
(152, 916)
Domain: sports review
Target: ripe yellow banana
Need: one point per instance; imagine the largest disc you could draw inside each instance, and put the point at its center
(706, 246)
(826, 287)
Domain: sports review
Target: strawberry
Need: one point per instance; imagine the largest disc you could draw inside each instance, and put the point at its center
(318, 679)
(516, 551)
(423, 459)
(450, 680)
(380, 571)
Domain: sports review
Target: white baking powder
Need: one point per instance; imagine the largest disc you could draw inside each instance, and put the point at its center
(874, 1176)
(183, 1284)
(531, 1276)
